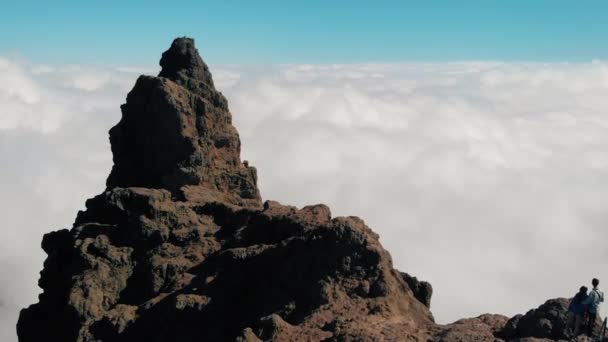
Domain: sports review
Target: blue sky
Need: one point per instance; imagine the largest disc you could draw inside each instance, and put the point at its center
(252, 32)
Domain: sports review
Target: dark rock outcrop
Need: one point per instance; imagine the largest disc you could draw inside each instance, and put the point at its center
(548, 321)
(179, 247)
(423, 291)
(176, 133)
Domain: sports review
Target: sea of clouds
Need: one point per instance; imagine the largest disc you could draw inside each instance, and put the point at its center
(490, 180)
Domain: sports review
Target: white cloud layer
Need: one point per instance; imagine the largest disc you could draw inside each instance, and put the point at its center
(490, 180)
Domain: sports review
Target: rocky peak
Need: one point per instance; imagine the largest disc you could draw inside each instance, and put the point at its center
(182, 63)
(179, 247)
(176, 133)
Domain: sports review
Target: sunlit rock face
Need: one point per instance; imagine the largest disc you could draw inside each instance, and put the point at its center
(180, 246)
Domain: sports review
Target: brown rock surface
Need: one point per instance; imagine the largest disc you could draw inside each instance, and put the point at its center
(179, 246)
(176, 133)
(548, 321)
(482, 328)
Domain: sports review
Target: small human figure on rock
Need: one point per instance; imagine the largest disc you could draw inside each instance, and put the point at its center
(596, 296)
(577, 311)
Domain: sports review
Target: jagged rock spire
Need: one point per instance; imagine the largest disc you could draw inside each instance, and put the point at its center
(183, 61)
(179, 247)
(205, 262)
(176, 133)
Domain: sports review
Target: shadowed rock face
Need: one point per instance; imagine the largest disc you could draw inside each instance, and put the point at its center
(423, 291)
(176, 133)
(548, 321)
(179, 246)
(182, 63)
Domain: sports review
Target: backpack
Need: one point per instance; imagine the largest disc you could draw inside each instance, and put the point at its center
(600, 298)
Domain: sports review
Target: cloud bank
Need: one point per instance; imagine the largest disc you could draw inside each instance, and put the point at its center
(489, 180)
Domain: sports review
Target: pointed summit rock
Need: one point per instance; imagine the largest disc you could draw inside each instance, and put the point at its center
(176, 133)
(180, 248)
(182, 62)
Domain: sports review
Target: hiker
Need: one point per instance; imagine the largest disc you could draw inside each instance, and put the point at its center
(593, 301)
(577, 311)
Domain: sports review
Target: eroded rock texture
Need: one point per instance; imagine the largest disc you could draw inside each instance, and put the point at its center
(483, 328)
(548, 321)
(176, 133)
(179, 247)
(423, 291)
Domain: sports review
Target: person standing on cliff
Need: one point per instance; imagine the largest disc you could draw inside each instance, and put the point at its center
(595, 298)
(577, 311)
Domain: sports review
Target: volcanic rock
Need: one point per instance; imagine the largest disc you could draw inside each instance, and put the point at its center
(180, 247)
(176, 133)
(548, 321)
(423, 291)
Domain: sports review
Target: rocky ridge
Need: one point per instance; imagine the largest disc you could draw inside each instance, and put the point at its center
(180, 246)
